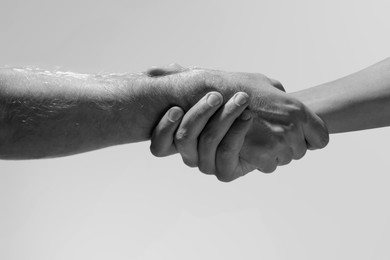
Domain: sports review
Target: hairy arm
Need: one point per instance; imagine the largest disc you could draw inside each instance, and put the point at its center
(48, 114)
(356, 102)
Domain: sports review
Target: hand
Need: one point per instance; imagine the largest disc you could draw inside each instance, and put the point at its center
(281, 128)
(233, 124)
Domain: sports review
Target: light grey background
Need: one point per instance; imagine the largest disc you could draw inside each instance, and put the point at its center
(122, 203)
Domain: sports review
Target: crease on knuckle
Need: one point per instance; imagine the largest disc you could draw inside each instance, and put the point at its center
(182, 136)
(212, 81)
(207, 138)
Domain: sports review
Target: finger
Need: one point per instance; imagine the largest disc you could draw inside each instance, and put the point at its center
(228, 152)
(270, 167)
(297, 142)
(262, 153)
(192, 124)
(164, 70)
(216, 129)
(266, 163)
(162, 137)
(315, 131)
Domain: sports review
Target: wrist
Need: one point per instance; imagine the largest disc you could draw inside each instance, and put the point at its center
(147, 98)
(320, 104)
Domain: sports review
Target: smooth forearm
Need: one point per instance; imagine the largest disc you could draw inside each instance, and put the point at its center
(356, 102)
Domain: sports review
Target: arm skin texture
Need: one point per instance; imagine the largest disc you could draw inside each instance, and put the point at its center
(356, 102)
(282, 129)
(44, 114)
(50, 114)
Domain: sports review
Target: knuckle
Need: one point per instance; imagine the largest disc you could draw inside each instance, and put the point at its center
(207, 138)
(297, 111)
(286, 161)
(182, 135)
(280, 134)
(269, 169)
(205, 169)
(294, 109)
(268, 166)
(300, 154)
(156, 151)
(225, 178)
(325, 136)
(324, 140)
(286, 158)
(190, 163)
(321, 141)
(212, 80)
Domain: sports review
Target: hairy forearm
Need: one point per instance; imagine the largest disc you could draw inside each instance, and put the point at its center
(46, 114)
(49, 114)
(356, 102)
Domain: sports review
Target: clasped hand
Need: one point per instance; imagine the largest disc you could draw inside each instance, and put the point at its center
(259, 127)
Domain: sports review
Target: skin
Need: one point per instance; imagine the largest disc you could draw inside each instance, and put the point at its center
(347, 104)
(232, 131)
(49, 114)
(280, 129)
(356, 102)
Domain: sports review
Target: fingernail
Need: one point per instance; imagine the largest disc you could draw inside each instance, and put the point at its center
(246, 115)
(174, 115)
(213, 100)
(240, 99)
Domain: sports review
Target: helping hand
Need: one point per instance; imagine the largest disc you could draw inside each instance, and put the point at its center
(282, 129)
